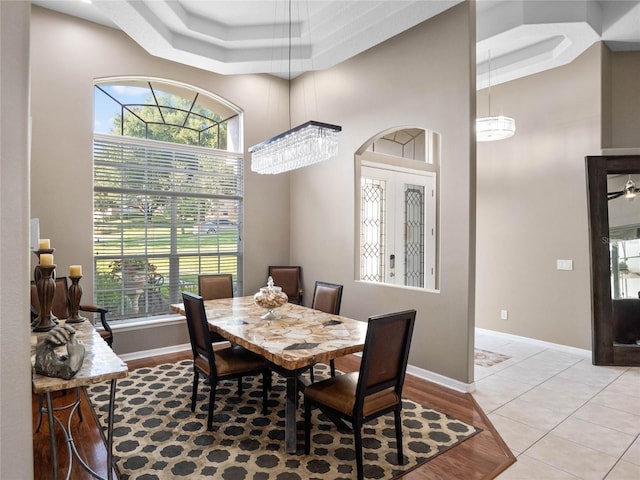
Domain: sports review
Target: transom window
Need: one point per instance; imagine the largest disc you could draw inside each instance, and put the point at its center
(168, 191)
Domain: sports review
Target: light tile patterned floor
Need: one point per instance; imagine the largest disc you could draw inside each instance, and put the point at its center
(563, 417)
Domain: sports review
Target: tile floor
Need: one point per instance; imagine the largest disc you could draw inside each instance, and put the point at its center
(563, 417)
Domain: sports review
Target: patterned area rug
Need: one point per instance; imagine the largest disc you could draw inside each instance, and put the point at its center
(486, 358)
(156, 436)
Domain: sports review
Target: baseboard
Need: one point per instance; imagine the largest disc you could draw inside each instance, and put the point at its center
(539, 343)
(441, 379)
(144, 323)
(154, 352)
(185, 347)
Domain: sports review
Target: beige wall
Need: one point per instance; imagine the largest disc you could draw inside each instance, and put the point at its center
(625, 100)
(532, 207)
(606, 107)
(16, 461)
(421, 78)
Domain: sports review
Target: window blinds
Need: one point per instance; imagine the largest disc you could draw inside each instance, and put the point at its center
(170, 210)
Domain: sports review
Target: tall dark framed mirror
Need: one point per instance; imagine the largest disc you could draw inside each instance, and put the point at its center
(613, 184)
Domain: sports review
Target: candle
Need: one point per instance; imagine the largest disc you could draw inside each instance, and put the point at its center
(75, 270)
(44, 244)
(46, 259)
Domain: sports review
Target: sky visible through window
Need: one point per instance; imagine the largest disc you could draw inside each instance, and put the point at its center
(106, 109)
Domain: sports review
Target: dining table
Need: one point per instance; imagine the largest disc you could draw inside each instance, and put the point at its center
(292, 343)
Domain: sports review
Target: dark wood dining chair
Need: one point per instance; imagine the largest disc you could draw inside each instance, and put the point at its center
(213, 286)
(289, 278)
(376, 389)
(61, 307)
(232, 362)
(327, 298)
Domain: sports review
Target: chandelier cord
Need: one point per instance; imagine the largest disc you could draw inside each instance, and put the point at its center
(489, 82)
(290, 124)
(307, 144)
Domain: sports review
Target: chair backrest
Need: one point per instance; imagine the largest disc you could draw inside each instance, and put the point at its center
(60, 306)
(199, 330)
(385, 355)
(289, 278)
(215, 286)
(327, 297)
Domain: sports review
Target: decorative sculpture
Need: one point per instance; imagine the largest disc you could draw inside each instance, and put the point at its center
(49, 363)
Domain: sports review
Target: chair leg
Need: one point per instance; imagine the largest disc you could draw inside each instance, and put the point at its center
(194, 390)
(357, 432)
(239, 386)
(212, 399)
(307, 426)
(332, 366)
(398, 422)
(311, 374)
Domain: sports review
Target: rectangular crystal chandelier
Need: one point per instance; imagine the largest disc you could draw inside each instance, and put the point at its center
(306, 144)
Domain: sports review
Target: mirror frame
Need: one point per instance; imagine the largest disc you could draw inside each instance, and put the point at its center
(604, 351)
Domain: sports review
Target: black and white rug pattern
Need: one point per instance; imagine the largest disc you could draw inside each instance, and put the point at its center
(156, 436)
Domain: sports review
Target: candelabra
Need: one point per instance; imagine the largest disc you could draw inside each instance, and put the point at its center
(75, 294)
(45, 279)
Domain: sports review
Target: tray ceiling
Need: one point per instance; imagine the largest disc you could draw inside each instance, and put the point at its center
(248, 36)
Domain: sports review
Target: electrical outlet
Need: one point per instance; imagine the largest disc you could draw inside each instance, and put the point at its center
(564, 264)
(504, 315)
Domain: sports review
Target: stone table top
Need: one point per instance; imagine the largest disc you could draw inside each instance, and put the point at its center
(100, 362)
(300, 338)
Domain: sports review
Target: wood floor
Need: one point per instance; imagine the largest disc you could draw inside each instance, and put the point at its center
(483, 456)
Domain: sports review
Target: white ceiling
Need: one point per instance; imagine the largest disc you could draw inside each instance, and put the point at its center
(249, 36)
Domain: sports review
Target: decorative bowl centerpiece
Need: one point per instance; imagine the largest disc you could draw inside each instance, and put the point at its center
(270, 298)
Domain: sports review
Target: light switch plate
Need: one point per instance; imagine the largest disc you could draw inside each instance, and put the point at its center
(564, 264)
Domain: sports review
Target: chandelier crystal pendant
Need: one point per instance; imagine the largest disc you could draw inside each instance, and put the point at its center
(493, 128)
(304, 145)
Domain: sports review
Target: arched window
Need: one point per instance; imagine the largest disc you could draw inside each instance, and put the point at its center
(168, 192)
(397, 208)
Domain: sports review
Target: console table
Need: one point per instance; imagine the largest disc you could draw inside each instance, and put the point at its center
(100, 364)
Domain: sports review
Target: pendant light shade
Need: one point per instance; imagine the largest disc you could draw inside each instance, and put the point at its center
(306, 144)
(493, 128)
